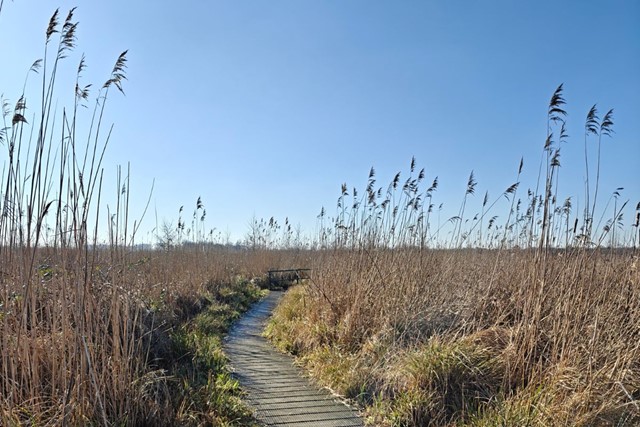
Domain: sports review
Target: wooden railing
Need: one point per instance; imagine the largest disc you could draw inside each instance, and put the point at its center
(282, 278)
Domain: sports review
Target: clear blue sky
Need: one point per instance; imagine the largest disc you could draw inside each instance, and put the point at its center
(266, 107)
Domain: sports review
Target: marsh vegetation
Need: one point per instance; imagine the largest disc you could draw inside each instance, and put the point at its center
(528, 318)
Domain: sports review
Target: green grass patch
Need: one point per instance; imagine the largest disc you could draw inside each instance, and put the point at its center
(440, 382)
(443, 381)
(205, 392)
(286, 321)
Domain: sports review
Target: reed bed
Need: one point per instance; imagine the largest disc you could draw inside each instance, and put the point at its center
(94, 331)
(473, 337)
(528, 319)
(533, 320)
(107, 350)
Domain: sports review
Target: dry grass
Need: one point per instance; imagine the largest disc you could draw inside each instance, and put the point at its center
(444, 337)
(530, 322)
(538, 326)
(104, 351)
(105, 334)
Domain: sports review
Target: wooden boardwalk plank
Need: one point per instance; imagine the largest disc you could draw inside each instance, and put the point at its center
(275, 387)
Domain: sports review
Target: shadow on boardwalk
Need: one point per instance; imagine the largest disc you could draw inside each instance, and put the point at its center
(276, 390)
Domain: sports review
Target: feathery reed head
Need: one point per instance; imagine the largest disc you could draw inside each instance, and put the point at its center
(556, 112)
(606, 126)
(591, 124)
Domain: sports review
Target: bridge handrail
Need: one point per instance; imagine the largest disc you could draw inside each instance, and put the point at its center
(297, 271)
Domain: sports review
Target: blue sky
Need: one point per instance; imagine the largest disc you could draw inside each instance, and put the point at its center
(266, 108)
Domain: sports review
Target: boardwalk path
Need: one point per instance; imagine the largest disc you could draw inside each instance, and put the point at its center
(276, 390)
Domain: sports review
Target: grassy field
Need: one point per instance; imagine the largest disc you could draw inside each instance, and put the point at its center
(532, 321)
(135, 342)
(535, 321)
(94, 331)
(471, 337)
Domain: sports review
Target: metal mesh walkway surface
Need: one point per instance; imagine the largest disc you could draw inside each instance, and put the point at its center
(275, 388)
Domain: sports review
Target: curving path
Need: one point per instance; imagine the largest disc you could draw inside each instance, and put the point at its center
(276, 389)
